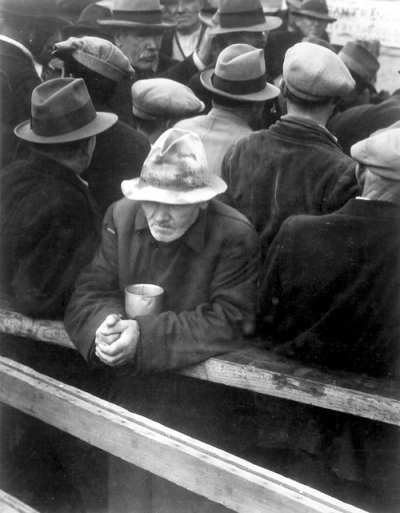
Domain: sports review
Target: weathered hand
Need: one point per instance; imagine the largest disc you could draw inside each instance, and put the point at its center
(123, 349)
(108, 332)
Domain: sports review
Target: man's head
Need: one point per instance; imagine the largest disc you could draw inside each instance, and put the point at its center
(100, 63)
(138, 27)
(238, 22)
(185, 13)
(314, 76)
(312, 18)
(378, 169)
(64, 122)
(239, 76)
(174, 185)
(158, 103)
(363, 67)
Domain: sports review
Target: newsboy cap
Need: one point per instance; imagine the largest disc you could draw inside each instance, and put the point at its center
(381, 153)
(97, 54)
(156, 98)
(314, 73)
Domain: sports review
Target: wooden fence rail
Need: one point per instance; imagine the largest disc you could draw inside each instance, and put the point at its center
(201, 468)
(260, 371)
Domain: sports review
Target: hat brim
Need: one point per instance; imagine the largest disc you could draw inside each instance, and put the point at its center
(103, 121)
(270, 91)
(123, 23)
(271, 23)
(138, 190)
(318, 16)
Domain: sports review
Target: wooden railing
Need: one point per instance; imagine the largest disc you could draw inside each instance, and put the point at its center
(196, 466)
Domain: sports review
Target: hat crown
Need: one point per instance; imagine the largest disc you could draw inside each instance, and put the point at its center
(136, 5)
(316, 6)
(314, 72)
(359, 60)
(177, 161)
(240, 62)
(236, 6)
(60, 106)
(29, 7)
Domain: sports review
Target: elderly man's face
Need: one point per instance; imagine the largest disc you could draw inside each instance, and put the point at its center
(141, 46)
(169, 222)
(185, 13)
(311, 26)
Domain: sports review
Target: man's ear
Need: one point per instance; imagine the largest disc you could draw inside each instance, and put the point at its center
(282, 87)
(360, 174)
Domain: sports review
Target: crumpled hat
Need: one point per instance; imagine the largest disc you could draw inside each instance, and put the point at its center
(381, 153)
(314, 73)
(157, 98)
(176, 172)
(97, 54)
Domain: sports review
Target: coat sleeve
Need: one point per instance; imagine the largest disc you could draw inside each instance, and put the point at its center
(171, 340)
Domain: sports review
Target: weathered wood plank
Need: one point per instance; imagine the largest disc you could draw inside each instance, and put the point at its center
(260, 371)
(199, 467)
(9, 504)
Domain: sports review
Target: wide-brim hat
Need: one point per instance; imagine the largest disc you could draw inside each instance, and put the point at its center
(315, 9)
(240, 74)
(175, 172)
(61, 112)
(87, 23)
(361, 62)
(239, 16)
(138, 13)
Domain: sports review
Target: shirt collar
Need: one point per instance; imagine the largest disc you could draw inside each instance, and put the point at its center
(19, 45)
(194, 237)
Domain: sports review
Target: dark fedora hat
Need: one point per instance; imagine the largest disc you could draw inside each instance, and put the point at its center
(61, 112)
(363, 65)
(87, 23)
(240, 74)
(314, 9)
(29, 7)
(240, 16)
(137, 13)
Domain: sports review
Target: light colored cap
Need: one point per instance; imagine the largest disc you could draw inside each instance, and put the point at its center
(240, 74)
(381, 153)
(359, 60)
(175, 172)
(97, 54)
(157, 98)
(315, 73)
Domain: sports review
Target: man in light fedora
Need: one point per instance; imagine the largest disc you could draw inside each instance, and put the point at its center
(48, 224)
(235, 22)
(169, 231)
(296, 166)
(49, 229)
(239, 90)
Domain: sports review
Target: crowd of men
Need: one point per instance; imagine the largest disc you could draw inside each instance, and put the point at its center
(243, 163)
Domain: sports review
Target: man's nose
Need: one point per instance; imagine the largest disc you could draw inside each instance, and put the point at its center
(151, 43)
(161, 214)
(181, 6)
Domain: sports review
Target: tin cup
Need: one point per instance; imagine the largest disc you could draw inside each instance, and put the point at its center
(143, 299)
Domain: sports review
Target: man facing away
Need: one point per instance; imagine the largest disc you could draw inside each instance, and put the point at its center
(296, 166)
(168, 231)
(330, 295)
(239, 90)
